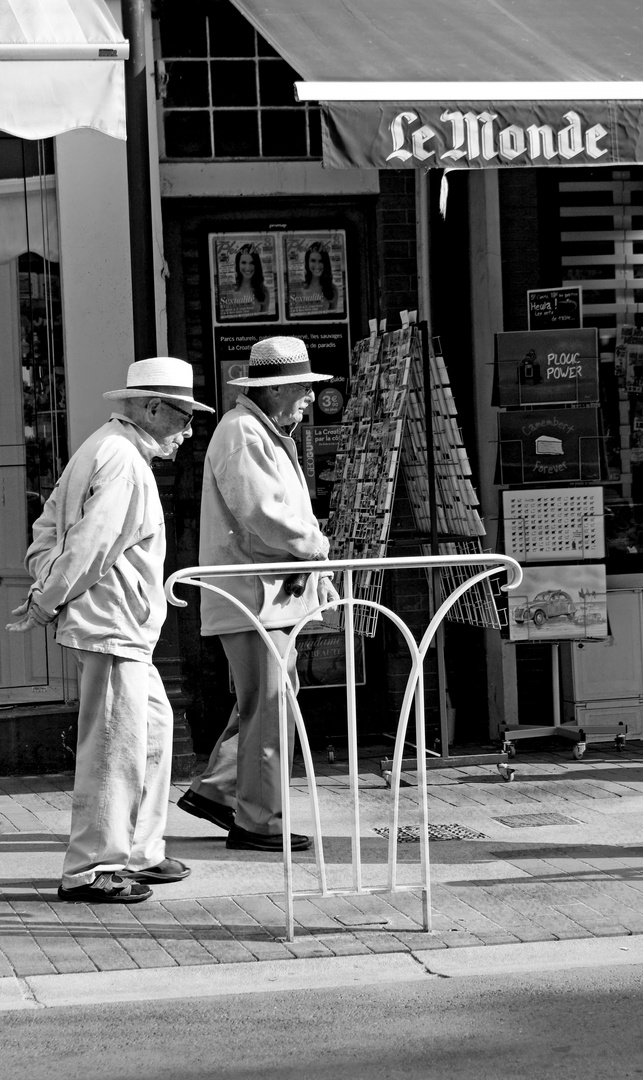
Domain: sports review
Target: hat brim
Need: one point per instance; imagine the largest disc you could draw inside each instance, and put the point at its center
(278, 380)
(115, 395)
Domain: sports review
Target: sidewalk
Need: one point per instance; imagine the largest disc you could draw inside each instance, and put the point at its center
(555, 855)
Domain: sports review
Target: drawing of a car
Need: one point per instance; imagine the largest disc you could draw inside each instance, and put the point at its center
(549, 604)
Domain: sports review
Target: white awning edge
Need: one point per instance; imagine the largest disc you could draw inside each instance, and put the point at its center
(44, 101)
(468, 91)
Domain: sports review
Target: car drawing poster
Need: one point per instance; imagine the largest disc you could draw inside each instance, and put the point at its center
(551, 445)
(559, 603)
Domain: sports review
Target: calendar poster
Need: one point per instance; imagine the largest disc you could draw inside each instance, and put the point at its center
(554, 524)
(559, 603)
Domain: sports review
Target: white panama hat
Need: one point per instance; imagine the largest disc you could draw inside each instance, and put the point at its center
(160, 376)
(277, 360)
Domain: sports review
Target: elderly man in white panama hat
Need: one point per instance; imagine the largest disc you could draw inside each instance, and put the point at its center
(97, 563)
(256, 508)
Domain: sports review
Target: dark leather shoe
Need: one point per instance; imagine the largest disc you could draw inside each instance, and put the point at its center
(217, 813)
(250, 841)
(168, 870)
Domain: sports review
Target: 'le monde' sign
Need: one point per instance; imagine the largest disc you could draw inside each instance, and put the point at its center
(380, 135)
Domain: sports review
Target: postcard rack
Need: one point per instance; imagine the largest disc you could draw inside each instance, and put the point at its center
(385, 427)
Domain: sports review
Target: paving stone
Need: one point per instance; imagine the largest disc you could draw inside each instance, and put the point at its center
(306, 947)
(267, 949)
(228, 951)
(146, 952)
(185, 950)
(457, 939)
(380, 942)
(6, 968)
(487, 902)
(25, 955)
(65, 954)
(308, 916)
(158, 921)
(106, 953)
(237, 921)
(446, 902)
(264, 911)
(344, 944)
(536, 901)
(378, 907)
(416, 940)
(591, 920)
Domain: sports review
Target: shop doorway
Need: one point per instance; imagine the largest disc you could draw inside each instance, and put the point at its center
(33, 452)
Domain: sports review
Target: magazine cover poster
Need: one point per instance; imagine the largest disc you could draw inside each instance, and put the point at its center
(554, 603)
(315, 269)
(244, 277)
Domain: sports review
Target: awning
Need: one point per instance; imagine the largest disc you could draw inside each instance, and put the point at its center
(61, 67)
(487, 70)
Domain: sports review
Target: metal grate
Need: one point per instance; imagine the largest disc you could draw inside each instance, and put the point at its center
(521, 821)
(410, 834)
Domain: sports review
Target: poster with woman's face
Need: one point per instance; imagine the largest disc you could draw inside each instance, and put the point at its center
(315, 275)
(244, 269)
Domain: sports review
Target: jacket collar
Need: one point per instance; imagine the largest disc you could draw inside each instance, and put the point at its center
(244, 402)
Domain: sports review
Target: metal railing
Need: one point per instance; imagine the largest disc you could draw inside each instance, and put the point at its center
(483, 567)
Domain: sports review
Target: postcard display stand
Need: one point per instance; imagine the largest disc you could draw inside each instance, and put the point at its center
(549, 434)
(384, 427)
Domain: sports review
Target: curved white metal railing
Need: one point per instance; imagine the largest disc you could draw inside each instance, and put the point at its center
(485, 566)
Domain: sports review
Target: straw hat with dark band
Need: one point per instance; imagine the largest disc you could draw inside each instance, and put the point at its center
(160, 376)
(278, 360)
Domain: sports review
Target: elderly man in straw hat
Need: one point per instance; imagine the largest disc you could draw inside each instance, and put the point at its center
(97, 564)
(256, 508)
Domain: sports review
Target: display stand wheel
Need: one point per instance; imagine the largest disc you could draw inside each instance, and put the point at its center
(386, 776)
(509, 747)
(579, 750)
(619, 743)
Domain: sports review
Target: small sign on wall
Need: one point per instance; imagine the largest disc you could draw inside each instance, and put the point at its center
(549, 309)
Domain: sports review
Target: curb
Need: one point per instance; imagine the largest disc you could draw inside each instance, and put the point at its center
(166, 984)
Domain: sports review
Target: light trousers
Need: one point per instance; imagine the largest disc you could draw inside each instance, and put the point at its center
(123, 765)
(243, 771)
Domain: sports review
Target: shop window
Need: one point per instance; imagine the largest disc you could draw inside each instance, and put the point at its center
(601, 218)
(43, 380)
(225, 94)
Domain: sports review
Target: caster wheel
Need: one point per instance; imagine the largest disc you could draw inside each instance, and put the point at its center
(619, 742)
(509, 748)
(579, 750)
(386, 776)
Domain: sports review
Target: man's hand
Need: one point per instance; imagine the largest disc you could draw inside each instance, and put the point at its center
(31, 615)
(327, 593)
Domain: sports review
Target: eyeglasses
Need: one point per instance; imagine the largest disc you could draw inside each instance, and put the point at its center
(305, 387)
(181, 411)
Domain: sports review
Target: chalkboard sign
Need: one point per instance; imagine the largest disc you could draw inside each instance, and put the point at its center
(549, 309)
(547, 367)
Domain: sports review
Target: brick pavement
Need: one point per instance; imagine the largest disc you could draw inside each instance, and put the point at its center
(578, 877)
